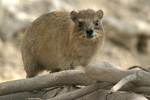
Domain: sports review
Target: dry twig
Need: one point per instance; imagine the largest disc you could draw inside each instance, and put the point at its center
(140, 67)
(124, 81)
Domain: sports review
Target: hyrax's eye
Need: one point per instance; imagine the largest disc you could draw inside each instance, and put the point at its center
(80, 24)
(96, 23)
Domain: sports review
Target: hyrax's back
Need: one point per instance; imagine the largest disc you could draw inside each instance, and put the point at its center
(54, 42)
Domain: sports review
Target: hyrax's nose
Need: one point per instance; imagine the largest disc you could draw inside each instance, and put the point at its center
(89, 31)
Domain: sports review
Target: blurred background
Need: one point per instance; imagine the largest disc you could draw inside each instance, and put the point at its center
(126, 24)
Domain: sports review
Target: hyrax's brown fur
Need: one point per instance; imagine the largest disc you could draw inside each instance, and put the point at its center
(61, 40)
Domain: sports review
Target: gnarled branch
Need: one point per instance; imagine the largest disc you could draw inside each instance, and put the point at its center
(69, 77)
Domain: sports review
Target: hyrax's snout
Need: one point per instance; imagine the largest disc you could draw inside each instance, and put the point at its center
(89, 33)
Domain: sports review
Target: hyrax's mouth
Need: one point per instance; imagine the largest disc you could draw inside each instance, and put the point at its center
(90, 37)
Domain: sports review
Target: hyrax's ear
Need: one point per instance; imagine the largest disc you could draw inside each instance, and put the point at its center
(100, 14)
(74, 15)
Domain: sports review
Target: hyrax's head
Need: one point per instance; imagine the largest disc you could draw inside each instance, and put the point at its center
(88, 27)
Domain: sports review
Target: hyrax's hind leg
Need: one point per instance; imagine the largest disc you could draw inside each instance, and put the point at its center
(32, 68)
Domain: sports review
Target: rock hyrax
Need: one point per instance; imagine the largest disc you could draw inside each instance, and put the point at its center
(60, 40)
